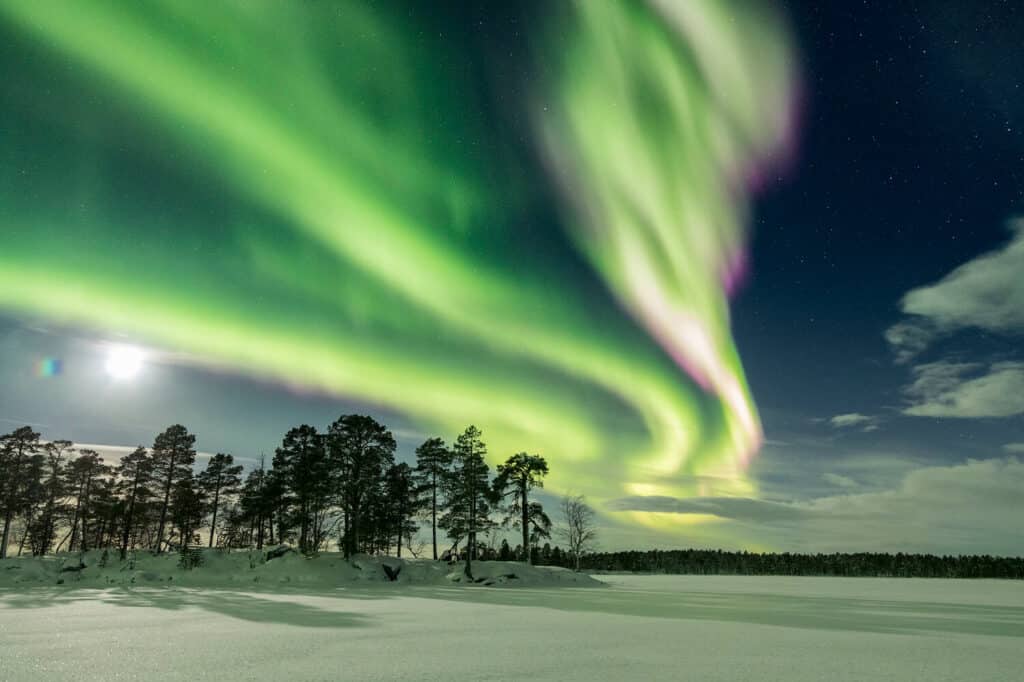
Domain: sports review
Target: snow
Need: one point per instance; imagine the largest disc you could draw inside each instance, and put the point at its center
(224, 569)
(638, 627)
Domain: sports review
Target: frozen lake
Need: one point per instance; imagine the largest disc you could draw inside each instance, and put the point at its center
(640, 628)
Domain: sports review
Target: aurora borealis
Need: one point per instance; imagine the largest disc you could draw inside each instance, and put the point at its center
(315, 195)
(745, 273)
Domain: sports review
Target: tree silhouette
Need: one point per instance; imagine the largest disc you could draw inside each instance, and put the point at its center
(82, 475)
(433, 462)
(43, 529)
(186, 509)
(134, 474)
(579, 531)
(173, 456)
(468, 493)
(16, 448)
(361, 449)
(220, 478)
(305, 474)
(401, 497)
(516, 477)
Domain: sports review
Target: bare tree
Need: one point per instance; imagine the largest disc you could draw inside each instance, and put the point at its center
(580, 530)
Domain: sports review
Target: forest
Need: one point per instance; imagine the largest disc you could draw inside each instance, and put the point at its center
(341, 487)
(860, 564)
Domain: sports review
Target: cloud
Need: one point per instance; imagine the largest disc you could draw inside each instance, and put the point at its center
(985, 293)
(1014, 447)
(851, 419)
(908, 339)
(967, 508)
(964, 390)
(839, 480)
(798, 472)
(742, 508)
(112, 454)
(867, 423)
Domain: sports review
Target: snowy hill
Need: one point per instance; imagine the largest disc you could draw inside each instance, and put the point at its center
(217, 568)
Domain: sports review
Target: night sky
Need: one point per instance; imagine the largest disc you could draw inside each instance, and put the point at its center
(538, 221)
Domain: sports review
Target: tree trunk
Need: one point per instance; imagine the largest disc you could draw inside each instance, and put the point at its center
(526, 524)
(163, 509)
(345, 533)
(24, 536)
(12, 487)
(74, 521)
(7, 533)
(304, 530)
(355, 528)
(433, 515)
(126, 533)
(213, 521)
(471, 541)
(88, 490)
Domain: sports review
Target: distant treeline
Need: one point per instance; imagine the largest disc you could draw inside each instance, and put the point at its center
(718, 562)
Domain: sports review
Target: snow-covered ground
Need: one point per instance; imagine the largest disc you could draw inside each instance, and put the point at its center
(637, 628)
(101, 568)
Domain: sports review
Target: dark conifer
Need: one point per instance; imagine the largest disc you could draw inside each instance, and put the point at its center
(433, 462)
(220, 479)
(173, 456)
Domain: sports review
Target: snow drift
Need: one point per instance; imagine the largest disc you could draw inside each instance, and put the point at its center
(281, 566)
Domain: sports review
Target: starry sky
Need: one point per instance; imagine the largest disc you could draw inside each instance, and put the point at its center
(748, 275)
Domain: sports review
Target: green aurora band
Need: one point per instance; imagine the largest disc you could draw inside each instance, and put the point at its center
(319, 195)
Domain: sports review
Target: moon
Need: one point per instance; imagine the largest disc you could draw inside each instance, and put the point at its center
(123, 362)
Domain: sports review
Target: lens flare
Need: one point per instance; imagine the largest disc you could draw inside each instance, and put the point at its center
(317, 196)
(48, 367)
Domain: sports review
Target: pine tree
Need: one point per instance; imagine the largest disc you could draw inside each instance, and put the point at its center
(82, 476)
(361, 450)
(433, 461)
(516, 477)
(304, 470)
(221, 478)
(173, 456)
(403, 501)
(186, 509)
(55, 453)
(468, 493)
(31, 500)
(16, 449)
(134, 474)
(101, 512)
(255, 505)
(277, 499)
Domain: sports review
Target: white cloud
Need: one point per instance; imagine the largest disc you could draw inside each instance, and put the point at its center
(112, 454)
(946, 389)
(986, 293)
(1014, 447)
(969, 508)
(866, 422)
(850, 419)
(839, 480)
(908, 339)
